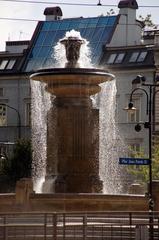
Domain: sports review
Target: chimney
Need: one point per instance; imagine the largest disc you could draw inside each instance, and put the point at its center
(128, 4)
(128, 8)
(53, 13)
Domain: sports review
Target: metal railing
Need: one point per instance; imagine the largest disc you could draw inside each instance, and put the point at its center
(77, 226)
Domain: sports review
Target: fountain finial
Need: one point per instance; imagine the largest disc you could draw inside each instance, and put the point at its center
(72, 46)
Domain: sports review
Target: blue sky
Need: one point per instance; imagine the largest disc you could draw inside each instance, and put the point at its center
(21, 30)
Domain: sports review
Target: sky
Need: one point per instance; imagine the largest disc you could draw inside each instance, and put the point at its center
(11, 30)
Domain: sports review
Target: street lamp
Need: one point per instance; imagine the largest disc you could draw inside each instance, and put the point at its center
(19, 118)
(150, 100)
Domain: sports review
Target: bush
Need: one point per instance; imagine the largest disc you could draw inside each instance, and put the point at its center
(19, 164)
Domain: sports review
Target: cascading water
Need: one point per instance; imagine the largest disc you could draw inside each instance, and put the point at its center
(111, 143)
(40, 106)
(109, 137)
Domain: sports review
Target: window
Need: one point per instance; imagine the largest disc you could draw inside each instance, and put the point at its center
(28, 114)
(3, 115)
(7, 64)
(142, 57)
(120, 58)
(3, 64)
(1, 92)
(116, 58)
(138, 56)
(134, 116)
(134, 57)
(3, 155)
(112, 58)
(11, 64)
(134, 148)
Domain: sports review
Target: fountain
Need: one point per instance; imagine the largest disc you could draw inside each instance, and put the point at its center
(73, 145)
(73, 170)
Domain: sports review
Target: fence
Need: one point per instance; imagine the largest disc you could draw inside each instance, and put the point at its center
(78, 226)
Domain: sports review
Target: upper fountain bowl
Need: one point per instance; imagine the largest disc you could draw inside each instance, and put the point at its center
(72, 82)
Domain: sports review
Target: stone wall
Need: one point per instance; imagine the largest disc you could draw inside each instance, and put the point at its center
(25, 200)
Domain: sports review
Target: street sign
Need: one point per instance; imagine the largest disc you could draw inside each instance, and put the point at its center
(134, 161)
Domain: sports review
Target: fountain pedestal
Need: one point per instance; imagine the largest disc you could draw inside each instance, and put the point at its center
(73, 145)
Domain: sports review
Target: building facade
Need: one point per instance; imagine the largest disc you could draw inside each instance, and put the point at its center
(15, 96)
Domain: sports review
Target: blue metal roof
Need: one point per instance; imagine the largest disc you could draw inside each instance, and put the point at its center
(97, 30)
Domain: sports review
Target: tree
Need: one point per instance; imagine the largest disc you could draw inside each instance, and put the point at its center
(141, 173)
(19, 164)
(110, 12)
(147, 21)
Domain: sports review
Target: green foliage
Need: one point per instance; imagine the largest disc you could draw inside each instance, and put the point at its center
(19, 164)
(141, 173)
(155, 163)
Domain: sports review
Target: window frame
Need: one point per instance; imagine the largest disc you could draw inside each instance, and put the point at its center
(111, 58)
(114, 58)
(28, 114)
(3, 122)
(7, 64)
(134, 56)
(11, 64)
(3, 64)
(138, 58)
(141, 59)
(118, 59)
(134, 147)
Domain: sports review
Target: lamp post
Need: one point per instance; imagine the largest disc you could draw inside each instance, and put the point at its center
(150, 100)
(19, 118)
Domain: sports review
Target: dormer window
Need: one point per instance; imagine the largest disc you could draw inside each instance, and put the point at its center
(112, 58)
(115, 58)
(120, 58)
(3, 64)
(138, 56)
(142, 57)
(7, 64)
(134, 57)
(11, 63)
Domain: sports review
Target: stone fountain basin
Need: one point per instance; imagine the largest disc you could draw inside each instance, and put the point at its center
(72, 81)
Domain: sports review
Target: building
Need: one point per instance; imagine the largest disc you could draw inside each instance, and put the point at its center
(116, 43)
(14, 95)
